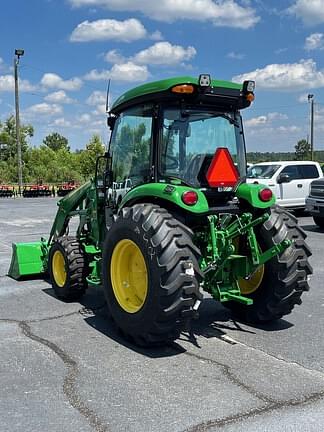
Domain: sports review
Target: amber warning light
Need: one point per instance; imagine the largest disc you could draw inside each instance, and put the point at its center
(222, 171)
(183, 88)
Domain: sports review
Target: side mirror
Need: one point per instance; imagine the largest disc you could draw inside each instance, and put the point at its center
(111, 122)
(283, 178)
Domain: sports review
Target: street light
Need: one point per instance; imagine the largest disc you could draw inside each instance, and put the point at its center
(310, 99)
(18, 53)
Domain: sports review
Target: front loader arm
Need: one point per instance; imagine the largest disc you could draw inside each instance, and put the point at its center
(70, 205)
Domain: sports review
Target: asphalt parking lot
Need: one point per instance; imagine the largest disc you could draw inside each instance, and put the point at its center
(64, 367)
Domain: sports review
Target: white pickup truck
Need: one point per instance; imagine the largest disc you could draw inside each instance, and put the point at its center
(289, 180)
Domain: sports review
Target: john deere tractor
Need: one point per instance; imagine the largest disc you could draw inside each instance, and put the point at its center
(185, 222)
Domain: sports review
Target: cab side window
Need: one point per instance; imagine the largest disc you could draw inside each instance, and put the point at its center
(309, 171)
(292, 171)
(131, 146)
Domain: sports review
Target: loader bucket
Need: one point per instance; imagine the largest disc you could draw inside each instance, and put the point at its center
(27, 259)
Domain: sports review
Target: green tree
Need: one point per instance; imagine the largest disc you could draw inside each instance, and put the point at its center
(40, 165)
(55, 141)
(302, 150)
(88, 157)
(8, 137)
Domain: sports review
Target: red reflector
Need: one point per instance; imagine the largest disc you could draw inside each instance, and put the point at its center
(189, 197)
(222, 171)
(265, 195)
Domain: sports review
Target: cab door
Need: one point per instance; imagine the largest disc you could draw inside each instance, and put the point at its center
(292, 191)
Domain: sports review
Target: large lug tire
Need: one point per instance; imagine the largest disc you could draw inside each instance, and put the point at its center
(151, 254)
(68, 268)
(282, 280)
(319, 221)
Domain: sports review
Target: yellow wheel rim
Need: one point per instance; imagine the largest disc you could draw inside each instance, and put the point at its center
(248, 286)
(128, 273)
(58, 268)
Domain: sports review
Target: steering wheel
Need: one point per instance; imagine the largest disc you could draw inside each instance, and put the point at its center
(192, 169)
(174, 162)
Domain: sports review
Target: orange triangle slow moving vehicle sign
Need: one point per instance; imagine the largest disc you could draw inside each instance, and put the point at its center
(222, 171)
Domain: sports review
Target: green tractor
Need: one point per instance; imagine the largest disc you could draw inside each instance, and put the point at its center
(168, 214)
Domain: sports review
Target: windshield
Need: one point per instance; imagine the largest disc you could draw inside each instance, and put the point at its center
(190, 138)
(262, 171)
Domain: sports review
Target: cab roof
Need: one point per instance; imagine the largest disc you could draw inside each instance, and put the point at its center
(150, 90)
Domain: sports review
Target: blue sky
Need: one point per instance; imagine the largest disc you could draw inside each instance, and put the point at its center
(72, 47)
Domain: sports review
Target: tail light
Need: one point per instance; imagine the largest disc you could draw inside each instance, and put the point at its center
(265, 195)
(189, 197)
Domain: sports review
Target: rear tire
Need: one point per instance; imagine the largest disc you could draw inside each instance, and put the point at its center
(319, 221)
(68, 269)
(162, 247)
(285, 276)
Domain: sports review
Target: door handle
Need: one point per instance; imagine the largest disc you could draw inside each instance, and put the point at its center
(299, 185)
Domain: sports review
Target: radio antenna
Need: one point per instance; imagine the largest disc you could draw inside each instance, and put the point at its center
(107, 97)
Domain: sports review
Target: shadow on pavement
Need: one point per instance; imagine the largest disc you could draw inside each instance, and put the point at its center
(312, 228)
(214, 322)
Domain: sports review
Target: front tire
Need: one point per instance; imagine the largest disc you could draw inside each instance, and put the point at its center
(282, 280)
(150, 274)
(68, 269)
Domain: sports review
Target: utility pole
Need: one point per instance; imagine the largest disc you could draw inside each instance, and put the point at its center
(18, 54)
(310, 98)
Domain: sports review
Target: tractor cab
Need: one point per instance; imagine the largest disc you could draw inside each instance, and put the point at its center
(168, 132)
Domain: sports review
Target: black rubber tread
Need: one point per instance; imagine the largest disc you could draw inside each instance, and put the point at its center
(76, 267)
(286, 275)
(319, 221)
(173, 289)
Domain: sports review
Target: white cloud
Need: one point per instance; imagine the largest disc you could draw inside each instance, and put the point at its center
(164, 53)
(96, 75)
(256, 121)
(265, 119)
(120, 72)
(58, 97)
(289, 76)
(44, 109)
(52, 80)
(7, 83)
(96, 98)
(269, 136)
(100, 110)
(235, 56)
(109, 29)
(314, 41)
(280, 50)
(311, 12)
(303, 98)
(289, 129)
(157, 36)
(4, 68)
(85, 118)
(225, 13)
(272, 116)
(62, 122)
(129, 72)
(114, 56)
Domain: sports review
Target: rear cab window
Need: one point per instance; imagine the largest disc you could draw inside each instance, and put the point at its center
(309, 171)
